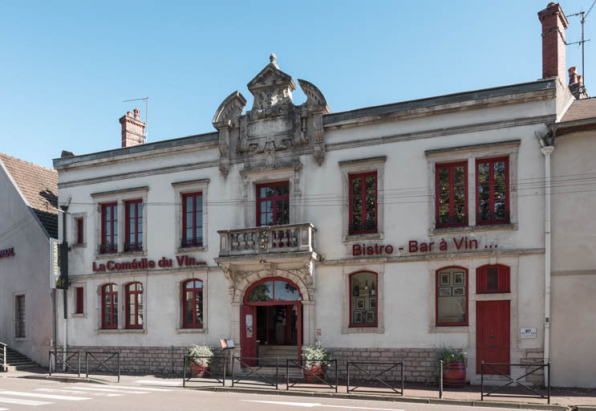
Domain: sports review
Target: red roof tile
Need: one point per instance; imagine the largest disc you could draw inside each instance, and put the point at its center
(39, 185)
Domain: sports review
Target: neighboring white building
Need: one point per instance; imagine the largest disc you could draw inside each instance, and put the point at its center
(28, 220)
(384, 231)
(574, 248)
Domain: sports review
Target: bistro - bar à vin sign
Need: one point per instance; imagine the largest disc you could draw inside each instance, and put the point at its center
(146, 264)
(414, 246)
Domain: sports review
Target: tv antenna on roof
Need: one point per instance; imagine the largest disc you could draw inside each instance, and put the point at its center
(146, 100)
(583, 16)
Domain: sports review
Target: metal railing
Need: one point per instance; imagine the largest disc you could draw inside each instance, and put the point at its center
(61, 364)
(495, 368)
(382, 369)
(310, 375)
(209, 370)
(102, 363)
(3, 353)
(254, 373)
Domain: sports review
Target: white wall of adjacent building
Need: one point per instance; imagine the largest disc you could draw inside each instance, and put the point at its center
(26, 273)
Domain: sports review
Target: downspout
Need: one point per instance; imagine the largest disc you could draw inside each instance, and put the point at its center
(547, 151)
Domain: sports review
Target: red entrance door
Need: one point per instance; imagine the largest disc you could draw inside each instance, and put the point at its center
(492, 334)
(248, 333)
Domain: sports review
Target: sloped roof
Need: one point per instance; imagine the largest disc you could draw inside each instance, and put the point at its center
(39, 185)
(580, 110)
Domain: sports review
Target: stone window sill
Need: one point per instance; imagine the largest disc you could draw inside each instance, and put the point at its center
(472, 229)
(184, 250)
(363, 330)
(362, 237)
(108, 256)
(456, 329)
(191, 330)
(79, 245)
(121, 331)
(83, 315)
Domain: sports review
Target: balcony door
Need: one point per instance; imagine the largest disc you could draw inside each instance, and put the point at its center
(273, 203)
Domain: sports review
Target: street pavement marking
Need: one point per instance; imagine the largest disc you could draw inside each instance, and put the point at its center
(124, 387)
(152, 382)
(95, 394)
(315, 404)
(48, 396)
(108, 390)
(23, 402)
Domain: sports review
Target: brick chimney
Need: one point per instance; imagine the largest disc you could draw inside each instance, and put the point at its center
(133, 129)
(554, 24)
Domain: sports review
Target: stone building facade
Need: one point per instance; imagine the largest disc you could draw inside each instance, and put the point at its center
(382, 232)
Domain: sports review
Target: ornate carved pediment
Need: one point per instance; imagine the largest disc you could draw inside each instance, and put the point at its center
(273, 124)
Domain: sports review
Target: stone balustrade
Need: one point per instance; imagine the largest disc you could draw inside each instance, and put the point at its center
(269, 239)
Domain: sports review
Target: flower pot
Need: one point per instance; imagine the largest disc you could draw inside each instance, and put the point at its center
(198, 370)
(311, 374)
(454, 374)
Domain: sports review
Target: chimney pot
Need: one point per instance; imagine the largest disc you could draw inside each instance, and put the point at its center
(137, 115)
(129, 114)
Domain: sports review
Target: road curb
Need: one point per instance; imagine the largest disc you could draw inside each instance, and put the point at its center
(389, 398)
(60, 379)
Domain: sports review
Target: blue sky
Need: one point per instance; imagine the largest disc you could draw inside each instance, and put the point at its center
(66, 67)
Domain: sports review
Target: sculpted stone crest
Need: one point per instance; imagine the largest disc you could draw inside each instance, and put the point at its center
(273, 124)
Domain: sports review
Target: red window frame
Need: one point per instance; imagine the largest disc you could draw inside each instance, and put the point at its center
(363, 324)
(503, 279)
(193, 290)
(437, 285)
(134, 239)
(80, 300)
(439, 188)
(109, 297)
(491, 185)
(196, 226)
(80, 232)
(274, 200)
(364, 209)
(133, 292)
(110, 246)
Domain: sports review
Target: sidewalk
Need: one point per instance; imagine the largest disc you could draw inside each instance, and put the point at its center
(561, 398)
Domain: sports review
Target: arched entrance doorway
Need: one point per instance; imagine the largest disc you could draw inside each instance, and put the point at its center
(271, 316)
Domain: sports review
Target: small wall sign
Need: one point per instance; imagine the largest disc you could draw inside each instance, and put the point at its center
(9, 252)
(527, 333)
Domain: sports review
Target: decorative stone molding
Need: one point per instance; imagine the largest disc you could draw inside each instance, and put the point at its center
(273, 125)
(240, 277)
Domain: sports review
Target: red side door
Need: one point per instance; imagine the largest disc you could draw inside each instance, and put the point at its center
(492, 335)
(248, 333)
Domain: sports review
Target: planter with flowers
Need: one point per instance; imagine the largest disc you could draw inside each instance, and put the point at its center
(454, 367)
(315, 359)
(199, 358)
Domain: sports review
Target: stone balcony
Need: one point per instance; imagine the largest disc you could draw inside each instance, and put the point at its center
(291, 238)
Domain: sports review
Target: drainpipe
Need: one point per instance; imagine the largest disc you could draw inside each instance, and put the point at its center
(547, 151)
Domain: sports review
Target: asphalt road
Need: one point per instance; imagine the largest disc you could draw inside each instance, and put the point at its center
(42, 395)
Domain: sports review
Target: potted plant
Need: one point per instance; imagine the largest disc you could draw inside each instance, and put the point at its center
(454, 367)
(199, 357)
(315, 357)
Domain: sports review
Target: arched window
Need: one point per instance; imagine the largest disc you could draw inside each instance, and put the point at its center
(109, 306)
(364, 289)
(192, 304)
(273, 290)
(452, 296)
(134, 305)
(492, 279)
